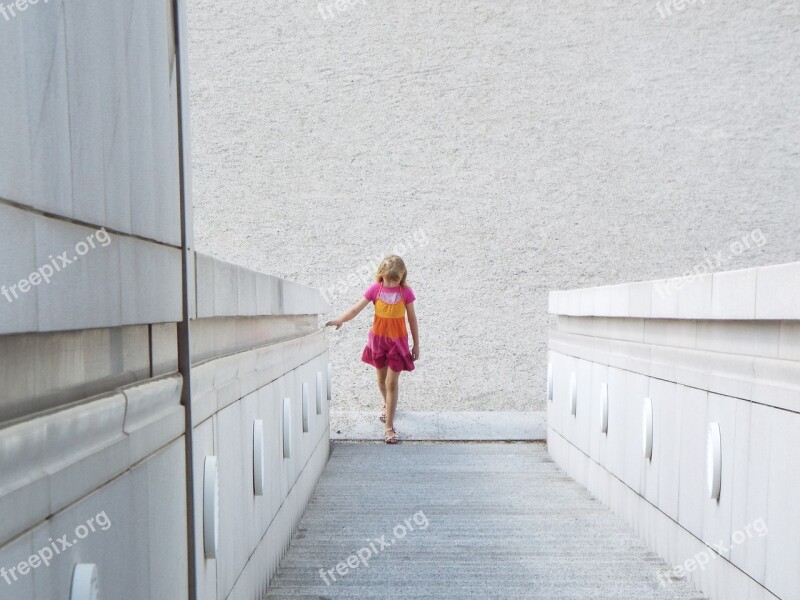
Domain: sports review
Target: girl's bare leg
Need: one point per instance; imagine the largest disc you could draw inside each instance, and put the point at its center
(382, 382)
(392, 378)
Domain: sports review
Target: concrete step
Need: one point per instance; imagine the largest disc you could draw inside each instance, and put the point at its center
(495, 425)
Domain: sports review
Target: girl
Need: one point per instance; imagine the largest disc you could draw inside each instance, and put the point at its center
(387, 344)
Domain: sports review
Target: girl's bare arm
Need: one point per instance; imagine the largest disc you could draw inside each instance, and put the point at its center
(350, 313)
(412, 325)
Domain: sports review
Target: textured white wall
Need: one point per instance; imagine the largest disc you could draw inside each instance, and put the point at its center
(538, 145)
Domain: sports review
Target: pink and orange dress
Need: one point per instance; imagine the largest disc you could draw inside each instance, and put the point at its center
(388, 339)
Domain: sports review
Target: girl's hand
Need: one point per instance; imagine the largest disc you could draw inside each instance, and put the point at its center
(336, 322)
(415, 352)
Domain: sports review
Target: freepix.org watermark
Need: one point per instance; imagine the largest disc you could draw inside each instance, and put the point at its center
(710, 263)
(363, 555)
(365, 274)
(45, 273)
(11, 10)
(341, 6)
(44, 556)
(702, 558)
(679, 5)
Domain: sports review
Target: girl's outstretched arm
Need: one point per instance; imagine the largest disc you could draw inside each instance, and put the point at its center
(412, 325)
(349, 313)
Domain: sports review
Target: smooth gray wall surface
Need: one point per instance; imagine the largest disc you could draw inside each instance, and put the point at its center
(538, 146)
(92, 135)
(124, 455)
(88, 140)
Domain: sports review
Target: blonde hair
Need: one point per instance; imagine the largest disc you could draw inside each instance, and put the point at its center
(392, 267)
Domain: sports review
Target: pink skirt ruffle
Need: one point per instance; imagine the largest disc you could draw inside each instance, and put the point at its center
(381, 351)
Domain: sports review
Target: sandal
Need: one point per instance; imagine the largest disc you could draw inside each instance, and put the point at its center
(383, 415)
(390, 436)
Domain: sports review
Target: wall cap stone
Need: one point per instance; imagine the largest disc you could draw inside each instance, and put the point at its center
(759, 293)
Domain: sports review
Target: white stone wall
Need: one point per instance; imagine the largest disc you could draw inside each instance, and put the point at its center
(88, 114)
(225, 290)
(255, 531)
(722, 349)
(91, 135)
(89, 151)
(123, 455)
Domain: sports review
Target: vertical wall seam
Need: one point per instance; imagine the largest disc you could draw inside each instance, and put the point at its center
(184, 340)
